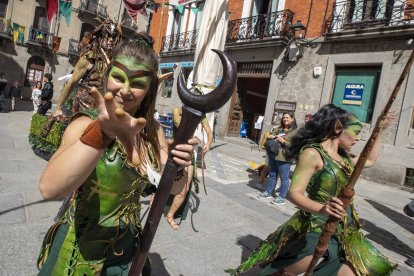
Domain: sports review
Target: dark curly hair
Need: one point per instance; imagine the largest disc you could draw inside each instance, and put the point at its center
(317, 130)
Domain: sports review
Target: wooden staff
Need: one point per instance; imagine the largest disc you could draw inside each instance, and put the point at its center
(195, 106)
(347, 193)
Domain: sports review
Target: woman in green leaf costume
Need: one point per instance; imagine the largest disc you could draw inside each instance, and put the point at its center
(107, 160)
(324, 165)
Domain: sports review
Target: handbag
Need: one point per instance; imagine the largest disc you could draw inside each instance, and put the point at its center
(272, 147)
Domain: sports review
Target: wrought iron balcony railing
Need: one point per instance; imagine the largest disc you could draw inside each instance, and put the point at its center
(181, 41)
(270, 25)
(39, 37)
(5, 28)
(94, 8)
(364, 14)
(73, 48)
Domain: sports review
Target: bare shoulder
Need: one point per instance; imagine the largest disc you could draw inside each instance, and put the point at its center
(311, 157)
(75, 129)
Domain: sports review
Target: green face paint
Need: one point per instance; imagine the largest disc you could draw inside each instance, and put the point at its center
(353, 127)
(126, 69)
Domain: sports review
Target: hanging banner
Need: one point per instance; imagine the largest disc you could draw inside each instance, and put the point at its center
(134, 7)
(353, 93)
(65, 9)
(180, 8)
(51, 9)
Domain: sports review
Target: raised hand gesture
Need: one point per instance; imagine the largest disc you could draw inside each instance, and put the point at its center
(115, 122)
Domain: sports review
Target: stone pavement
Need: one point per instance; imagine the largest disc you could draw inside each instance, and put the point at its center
(222, 227)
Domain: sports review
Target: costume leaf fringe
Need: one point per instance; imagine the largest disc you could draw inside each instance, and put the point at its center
(269, 249)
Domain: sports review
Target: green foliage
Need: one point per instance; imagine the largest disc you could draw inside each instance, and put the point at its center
(52, 141)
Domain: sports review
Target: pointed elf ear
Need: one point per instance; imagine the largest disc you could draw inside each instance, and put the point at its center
(163, 77)
(338, 127)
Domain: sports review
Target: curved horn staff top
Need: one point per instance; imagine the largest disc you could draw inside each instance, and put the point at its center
(220, 95)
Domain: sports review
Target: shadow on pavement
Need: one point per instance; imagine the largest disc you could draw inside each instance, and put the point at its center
(21, 105)
(387, 239)
(399, 218)
(217, 146)
(194, 205)
(21, 206)
(248, 244)
(157, 264)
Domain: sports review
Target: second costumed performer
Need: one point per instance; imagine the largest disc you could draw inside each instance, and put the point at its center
(324, 166)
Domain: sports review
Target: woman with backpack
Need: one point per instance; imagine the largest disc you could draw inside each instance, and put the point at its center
(276, 159)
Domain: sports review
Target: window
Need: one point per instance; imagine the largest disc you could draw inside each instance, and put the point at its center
(177, 22)
(368, 10)
(3, 8)
(86, 28)
(34, 70)
(409, 178)
(261, 7)
(355, 90)
(40, 19)
(199, 15)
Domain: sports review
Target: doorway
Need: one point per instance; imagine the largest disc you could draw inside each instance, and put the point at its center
(247, 105)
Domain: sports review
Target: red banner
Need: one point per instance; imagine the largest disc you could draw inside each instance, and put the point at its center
(51, 9)
(135, 6)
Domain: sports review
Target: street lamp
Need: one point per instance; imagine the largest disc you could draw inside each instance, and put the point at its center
(298, 26)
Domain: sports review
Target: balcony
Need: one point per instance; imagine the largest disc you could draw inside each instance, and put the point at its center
(73, 49)
(129, 24)
(370, 17)
(262, 26)
(93, 8)
(5, 29)
(40, 38)
(179, 42)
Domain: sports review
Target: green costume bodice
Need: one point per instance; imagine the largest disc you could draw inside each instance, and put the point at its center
(325, 184)
(306, 227)
(103, 219)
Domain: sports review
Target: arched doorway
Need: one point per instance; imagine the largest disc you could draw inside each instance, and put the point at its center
(34, 70)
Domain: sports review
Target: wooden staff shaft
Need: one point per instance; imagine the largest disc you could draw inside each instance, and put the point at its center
(347, 192)
(189, 121)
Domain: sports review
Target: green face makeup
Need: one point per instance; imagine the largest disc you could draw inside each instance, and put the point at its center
(126, 69)
(353, 127)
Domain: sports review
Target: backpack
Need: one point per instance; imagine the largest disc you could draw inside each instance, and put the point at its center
(272, 147)
(47, 92)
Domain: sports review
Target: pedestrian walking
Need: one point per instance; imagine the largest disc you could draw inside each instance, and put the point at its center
(16, 94)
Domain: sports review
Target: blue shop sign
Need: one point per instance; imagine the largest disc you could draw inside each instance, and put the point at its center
(184, 64)
(353, 93)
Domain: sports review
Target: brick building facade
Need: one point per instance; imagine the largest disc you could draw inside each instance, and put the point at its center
(281, 66)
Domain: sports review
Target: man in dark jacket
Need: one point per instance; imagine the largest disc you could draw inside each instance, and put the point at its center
(16, 94)
(47, 94)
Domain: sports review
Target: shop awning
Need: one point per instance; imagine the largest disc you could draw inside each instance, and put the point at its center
(254, 69)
